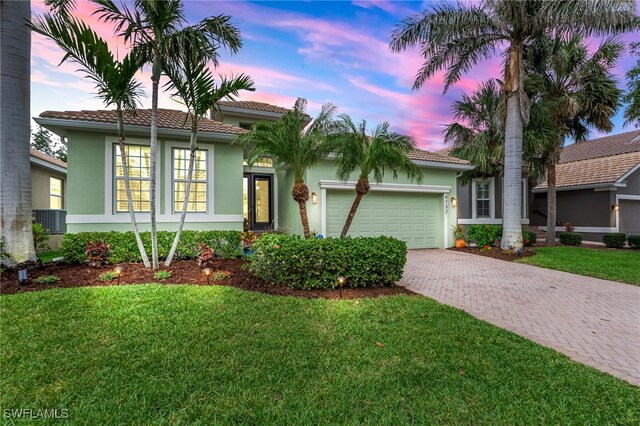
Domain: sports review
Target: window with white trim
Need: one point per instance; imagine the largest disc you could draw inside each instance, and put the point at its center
(483, 199)
(198, 191)
(55, 193)
(139, 167)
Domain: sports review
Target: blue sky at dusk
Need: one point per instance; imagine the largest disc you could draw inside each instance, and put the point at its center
(334, 51)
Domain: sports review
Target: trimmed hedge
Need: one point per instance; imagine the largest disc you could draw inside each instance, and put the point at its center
(484, 235)
(571, 238)
(292, 261)
(634, 241)
(614, 240)
(124, 248)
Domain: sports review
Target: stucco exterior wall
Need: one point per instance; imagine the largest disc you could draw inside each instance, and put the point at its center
(40, 187)
(585, 207)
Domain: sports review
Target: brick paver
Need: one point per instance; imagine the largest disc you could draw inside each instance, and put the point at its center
(593, 321)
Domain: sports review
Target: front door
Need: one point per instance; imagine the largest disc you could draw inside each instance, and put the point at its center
(258, 201)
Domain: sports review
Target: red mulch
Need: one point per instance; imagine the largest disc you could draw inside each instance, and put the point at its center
(496, 253)
(182, 272)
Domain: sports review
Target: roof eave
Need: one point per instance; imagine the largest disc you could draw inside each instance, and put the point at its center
(48, 165)
(443, 165)
(585, 186)
(255, 113)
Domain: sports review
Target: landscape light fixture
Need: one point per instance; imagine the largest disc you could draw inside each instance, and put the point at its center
(616, 207)
(207, 272)
(341, 280)
(118, 271)
(22, 276)
(454, 202)
(314, 198)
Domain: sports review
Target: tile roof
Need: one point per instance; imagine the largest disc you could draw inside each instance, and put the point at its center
(167, 119)
(46, 157)
(420, 155)
(621, 143)
(602, 170)
(256, 106)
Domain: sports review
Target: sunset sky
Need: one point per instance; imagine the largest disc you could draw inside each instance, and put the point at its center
(334, 51)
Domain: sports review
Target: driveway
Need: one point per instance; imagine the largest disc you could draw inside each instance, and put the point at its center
(593, 321)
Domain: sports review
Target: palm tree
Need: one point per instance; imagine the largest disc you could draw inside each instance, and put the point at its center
(15, 186)
(381, 150)
(455, 38)
(289, 143)
(632, 97)
(582, 92)
(154, 29)
(114, 80)
(195, 86)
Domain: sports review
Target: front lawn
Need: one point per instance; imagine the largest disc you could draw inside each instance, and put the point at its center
(608, 264)
(219, 355)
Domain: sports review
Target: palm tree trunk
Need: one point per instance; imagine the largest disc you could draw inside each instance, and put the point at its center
(551, 203)
(300, 193)
(512, 197)
(155, 81)
(362, 188)
(15, 179)
(303, 217)
(127, 188)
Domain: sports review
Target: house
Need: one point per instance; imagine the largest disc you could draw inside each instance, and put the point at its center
(598, 187)
(48, 194)
(226, 193)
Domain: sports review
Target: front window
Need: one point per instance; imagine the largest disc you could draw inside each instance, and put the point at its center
(198, 191)
(483, 200)
(139, 165)
(55, 193)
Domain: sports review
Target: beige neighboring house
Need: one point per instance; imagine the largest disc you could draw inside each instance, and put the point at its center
(48, 194)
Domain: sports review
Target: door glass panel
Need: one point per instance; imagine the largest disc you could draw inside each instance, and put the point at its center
(262, 196)
(245, 197)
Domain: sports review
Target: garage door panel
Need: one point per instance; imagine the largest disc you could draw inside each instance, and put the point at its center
(416, 218)
(629, 216)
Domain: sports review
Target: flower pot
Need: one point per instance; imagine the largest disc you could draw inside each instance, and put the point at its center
(460, 243)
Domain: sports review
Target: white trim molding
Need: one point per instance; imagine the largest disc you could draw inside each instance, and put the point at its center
(585, 229)
(48, 165)
(487, 221)
(144, 218)
(390, 187)
(626, 175)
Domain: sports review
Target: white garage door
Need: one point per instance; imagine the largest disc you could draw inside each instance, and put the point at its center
(629, 216)
(416, 218)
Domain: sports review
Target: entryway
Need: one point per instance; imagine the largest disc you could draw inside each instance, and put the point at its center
(257, 201)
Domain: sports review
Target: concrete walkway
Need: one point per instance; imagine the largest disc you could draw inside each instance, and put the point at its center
(593, 321)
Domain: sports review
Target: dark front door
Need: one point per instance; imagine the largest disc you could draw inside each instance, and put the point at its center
(258, 201)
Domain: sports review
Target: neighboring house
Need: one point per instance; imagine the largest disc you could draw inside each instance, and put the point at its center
(598, 187)
(226, 194)
(48, 194)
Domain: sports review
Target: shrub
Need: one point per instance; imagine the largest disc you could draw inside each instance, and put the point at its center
(46, 279)
(528, 238)
(162, 275)
(568, 226)
(317, 262)
(614, 240)
(206, 256)
(40, 237)
(97, 253)
(125, 249)
(221, 275)
(571, 238)
(107, 276)
(484, 235)
(634, 241)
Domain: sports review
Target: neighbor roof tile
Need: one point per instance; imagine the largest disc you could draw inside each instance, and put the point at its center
(621, 143)
(420, 155)
(46, 157)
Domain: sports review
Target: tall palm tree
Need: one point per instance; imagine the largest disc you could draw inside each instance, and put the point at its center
(194, 85)
(15, 179)
(454, 38)
(582, 92)
(288, 142)
(154, 29)
(375, 153)
(114, 80)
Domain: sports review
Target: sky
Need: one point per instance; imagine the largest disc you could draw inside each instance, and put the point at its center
(323, 51)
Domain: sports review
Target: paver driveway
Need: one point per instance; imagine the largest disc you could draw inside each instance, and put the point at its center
(593, 321)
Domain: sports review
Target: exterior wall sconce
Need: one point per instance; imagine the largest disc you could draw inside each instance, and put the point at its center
(314, 198)
(616, 207)
(454, 202)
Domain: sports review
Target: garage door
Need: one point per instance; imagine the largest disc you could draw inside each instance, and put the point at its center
(416, 218)
(629, 215)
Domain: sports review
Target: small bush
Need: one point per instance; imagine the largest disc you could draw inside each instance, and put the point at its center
(634, 241)
(97, 253)
(40, 237)
(220, 275)
(162, 275)
(124, 248)
(46, 279)
(568, 226)
(528, 238)
(571, 238)
(107, 276)
(207, 255)
(484, 235)
(292, 261)
(614, 240)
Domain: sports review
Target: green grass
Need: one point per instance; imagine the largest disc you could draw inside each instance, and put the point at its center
(609, 264)
(153, 354)
(48, 256)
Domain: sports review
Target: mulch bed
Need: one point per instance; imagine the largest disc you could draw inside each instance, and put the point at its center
(182, 272)
(496, 253)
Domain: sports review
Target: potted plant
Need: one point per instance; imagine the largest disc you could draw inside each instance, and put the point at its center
(248, 238)
(458, 233)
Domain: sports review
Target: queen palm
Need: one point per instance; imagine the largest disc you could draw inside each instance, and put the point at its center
(290, 143)
(114, 80)
(455, 38)
(194, 85)
(154, 29)
(581, 91)
(368, 154)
